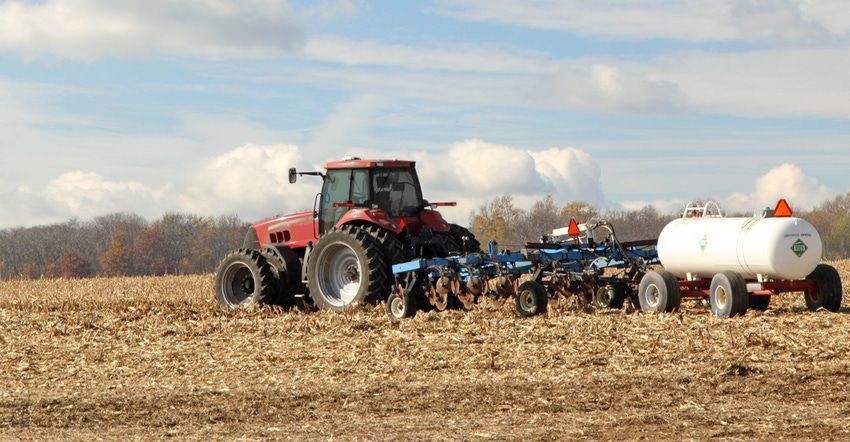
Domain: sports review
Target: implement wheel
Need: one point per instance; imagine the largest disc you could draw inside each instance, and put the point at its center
(610, 296)
(346, 269)
(828, 294)
(244, 276)
(531, 299)
(401, 305)
(728, 295)
(659, 292)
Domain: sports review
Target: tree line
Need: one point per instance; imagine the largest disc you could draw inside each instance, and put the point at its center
(119, 244)
(125, 244)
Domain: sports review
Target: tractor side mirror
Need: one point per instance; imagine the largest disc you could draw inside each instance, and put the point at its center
(293, 175)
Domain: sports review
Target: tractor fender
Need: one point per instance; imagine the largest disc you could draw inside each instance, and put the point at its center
(434, 220)
(369, 216)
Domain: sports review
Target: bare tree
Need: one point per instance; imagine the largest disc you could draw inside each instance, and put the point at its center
(496, 220)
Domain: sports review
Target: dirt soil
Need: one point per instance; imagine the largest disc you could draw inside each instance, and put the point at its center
(157, 358)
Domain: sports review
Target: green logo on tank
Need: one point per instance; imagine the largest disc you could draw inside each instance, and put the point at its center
(703, 242)
(799, 247)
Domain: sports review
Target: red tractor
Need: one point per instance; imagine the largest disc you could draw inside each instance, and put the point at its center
(369, 216)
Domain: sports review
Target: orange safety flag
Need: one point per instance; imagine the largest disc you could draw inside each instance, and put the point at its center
(782, 209)
(573, 230)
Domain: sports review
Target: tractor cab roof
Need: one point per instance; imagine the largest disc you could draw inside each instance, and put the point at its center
(357, 163)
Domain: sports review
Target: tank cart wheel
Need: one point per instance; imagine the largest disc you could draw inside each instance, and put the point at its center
(244, 276)
(345, 269)
(728, 295)
(610, 296)
(829, 292)
(531, 299)
(659, 292)
(759, 302)
(401, 305)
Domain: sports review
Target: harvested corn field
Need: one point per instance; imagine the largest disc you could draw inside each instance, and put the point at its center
(157, 358)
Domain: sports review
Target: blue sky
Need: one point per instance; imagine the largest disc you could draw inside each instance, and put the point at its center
(201, 106)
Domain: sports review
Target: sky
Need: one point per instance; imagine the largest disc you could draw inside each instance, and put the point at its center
(202, 106)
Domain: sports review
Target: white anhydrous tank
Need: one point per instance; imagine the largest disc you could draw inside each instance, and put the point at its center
(783, 248)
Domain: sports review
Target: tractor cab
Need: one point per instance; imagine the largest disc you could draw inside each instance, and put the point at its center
(382, 192)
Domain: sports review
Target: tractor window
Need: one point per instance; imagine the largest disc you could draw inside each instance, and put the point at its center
(360, 187)
(335, 189)
(397, 191)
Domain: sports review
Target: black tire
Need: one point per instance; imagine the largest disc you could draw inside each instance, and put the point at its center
(610, 296)
(459, 240)
(531, 299)
(346, 269)
(305, 304)
(399, 307)
(244, 276)
(285, 292)
(659, 292)
(728, 295)
(393, 251)
(829, 292)
(759, 302)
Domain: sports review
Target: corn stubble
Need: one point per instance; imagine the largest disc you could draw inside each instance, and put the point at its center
(156, 357)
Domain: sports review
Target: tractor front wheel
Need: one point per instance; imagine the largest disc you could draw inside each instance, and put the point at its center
(244, 276)
(346, 269)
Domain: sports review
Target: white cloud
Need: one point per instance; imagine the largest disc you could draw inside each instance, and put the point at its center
(786, 181)
(456, 57)
(572, 173)
(251, 181)
(608, 87)
(88, 194)
(474, 170)
(769, 83)
(330, 10)
(92, 29)
(484, 169)
(695, 21)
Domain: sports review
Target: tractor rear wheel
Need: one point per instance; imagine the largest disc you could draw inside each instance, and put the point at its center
(459, 240)
(244, 276)
(829, 292)
(346, 269)
(393, 251)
